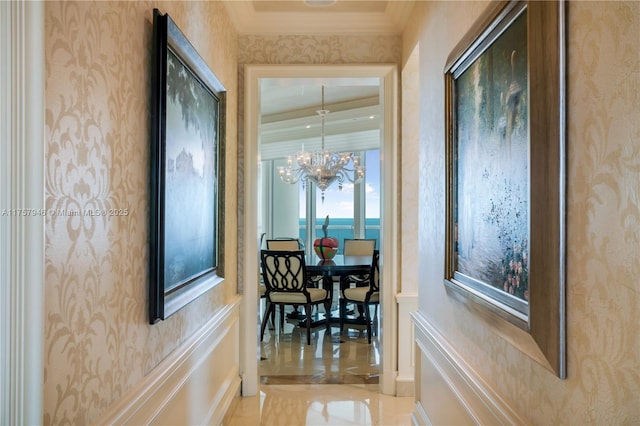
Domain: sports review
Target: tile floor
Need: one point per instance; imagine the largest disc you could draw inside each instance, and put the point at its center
(333, 381)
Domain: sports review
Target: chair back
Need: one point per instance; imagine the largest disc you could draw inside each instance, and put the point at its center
(374, 277)
(283, 244)
(284, 270)
(359, 247)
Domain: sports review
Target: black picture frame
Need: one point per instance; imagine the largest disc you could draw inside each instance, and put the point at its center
(519, 45)
(186, 241)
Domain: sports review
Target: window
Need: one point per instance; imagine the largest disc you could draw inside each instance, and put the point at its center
(353, 212)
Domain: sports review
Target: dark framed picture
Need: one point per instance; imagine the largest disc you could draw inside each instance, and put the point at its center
(505, 169)
(187, 170)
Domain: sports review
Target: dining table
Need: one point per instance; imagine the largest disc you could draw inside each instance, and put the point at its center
(342, 267)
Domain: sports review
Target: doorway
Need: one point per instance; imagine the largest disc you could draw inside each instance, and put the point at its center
(385, 76)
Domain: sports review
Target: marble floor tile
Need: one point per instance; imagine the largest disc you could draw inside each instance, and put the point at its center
(298, 405)
(333, 381)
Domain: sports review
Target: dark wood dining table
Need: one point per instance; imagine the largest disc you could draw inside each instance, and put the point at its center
(340, 266)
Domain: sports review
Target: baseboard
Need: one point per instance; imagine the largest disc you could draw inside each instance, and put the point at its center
(405, 387)
(463, 395)
(419, 416)
(196, 384)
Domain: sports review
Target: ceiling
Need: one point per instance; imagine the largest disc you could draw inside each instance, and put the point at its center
(289, 117)
(266, 17)
(288, 106)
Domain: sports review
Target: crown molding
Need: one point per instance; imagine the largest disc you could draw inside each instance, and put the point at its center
(285, 18)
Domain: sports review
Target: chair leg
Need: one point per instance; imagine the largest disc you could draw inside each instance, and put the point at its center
(343, 312)
(273, 320)
(282, 318)
(272, 316)
(307, 310)
(270, 311)
(367, 316)
(327, 310)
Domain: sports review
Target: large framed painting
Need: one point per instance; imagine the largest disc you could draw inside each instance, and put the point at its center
(505, 170)
(187, 170)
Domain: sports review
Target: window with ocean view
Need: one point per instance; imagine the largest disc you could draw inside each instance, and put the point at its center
(341, 228)
(354, 211)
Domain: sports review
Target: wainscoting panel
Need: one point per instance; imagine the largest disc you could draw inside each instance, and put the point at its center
(405, 384)
(194, 385)
(449, 391)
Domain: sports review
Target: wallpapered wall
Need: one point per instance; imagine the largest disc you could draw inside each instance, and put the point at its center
(603, 219)
(98, 342)
(310, 49)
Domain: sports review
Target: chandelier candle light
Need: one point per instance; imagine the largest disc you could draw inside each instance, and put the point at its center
(322, 167)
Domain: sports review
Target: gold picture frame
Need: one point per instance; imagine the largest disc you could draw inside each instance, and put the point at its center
(505, 174)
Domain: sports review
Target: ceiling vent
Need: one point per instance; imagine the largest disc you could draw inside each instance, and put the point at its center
(319, 3)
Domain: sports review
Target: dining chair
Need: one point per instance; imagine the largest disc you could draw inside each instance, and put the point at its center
(292, 244)
(358, 246)
(283, 244)
(285, 277)
(363, 296)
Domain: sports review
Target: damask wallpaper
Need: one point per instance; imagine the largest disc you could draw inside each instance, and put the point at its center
(603, 219)
(310, 49)
(98, 342)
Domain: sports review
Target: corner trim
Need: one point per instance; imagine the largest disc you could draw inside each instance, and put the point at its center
(22, 164)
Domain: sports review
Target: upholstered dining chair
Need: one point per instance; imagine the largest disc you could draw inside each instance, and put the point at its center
(283, 244)
(358, 247)
(275, 244)
(285, 277)
(363, 296)
(291, 244)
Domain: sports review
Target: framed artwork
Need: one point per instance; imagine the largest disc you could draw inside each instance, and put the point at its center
(504, 100)
(187, 169)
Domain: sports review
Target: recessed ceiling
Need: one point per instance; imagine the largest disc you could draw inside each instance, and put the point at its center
(268, 17)
(290, 97)
(289, 118)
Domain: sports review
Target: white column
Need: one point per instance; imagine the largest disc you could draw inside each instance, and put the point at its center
(22, 206)
(285, 210)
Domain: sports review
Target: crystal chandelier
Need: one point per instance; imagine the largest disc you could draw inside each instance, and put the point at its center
(322, 167)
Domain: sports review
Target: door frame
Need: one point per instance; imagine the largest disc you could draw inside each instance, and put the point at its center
(389, 256)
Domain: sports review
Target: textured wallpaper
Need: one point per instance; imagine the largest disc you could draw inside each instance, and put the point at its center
(603, 220)
(98, 342)
(310, 49)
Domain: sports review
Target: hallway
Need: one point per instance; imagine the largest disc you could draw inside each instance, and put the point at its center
(333, 381)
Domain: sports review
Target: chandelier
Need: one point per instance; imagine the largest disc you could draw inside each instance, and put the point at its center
(322, 167)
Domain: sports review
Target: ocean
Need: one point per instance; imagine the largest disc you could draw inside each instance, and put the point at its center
(341, 229)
